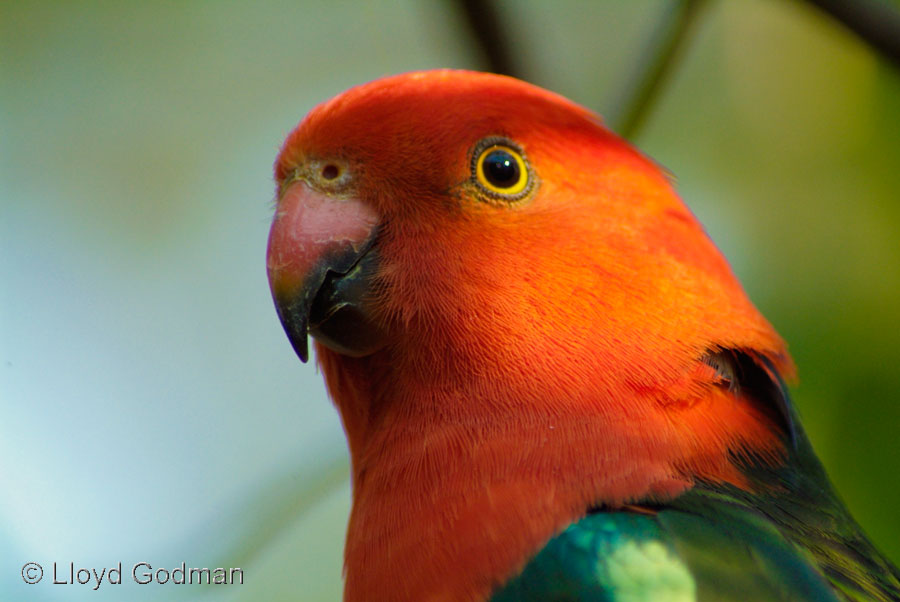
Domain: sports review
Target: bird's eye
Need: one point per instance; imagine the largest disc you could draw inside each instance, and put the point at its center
(500, 170)
(331, 171)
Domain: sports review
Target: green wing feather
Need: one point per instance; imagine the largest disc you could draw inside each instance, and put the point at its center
(790, 538)
(715, 552)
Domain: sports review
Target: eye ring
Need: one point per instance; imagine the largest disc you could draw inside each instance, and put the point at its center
(500, 170)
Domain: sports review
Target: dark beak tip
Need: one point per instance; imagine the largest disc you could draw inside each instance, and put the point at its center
(295, 325)
(302, 350)
(299, 341)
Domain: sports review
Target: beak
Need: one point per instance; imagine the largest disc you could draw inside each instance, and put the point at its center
(321, 261)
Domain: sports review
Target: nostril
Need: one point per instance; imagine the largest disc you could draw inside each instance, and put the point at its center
(330, 172)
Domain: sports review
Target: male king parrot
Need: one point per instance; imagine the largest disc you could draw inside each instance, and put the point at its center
(552, 385)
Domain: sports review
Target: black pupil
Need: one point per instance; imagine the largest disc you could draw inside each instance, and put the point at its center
(501, 169)
(330, 172)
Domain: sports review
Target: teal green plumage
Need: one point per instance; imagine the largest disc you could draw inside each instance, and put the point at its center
(788, 538)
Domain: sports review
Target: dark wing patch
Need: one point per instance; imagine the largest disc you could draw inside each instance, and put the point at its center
(748, 373)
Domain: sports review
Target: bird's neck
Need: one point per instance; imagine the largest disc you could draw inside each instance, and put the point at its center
(457, 483)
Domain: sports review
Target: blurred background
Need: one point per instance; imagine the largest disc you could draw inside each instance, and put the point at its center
(154, 410)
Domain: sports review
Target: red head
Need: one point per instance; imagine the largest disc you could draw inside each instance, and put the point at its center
(513, 307)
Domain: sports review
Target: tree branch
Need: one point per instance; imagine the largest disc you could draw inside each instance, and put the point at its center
(485, 24)
(660, 57)
(876, 23)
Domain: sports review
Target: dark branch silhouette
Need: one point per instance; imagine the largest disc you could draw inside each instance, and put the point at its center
(660, 57)
(487, 30)
(876, 23)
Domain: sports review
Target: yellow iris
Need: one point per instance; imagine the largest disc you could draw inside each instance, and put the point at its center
(501, 170)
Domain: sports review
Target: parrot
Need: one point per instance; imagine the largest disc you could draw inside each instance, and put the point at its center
(552, 385)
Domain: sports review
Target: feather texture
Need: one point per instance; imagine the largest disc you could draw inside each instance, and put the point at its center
(581, 347)
(788, 537)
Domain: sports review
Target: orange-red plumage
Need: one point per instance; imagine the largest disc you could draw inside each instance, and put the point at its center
(543, 356)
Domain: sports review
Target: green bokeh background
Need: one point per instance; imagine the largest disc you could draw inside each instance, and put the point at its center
(153, 408)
